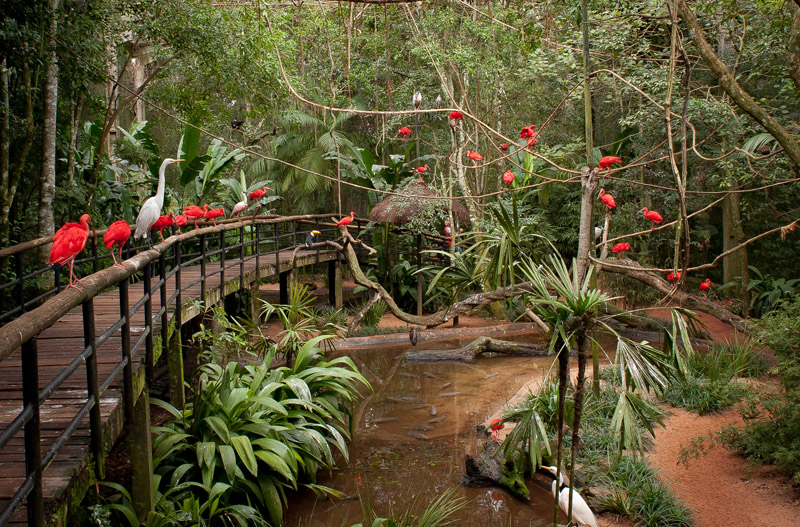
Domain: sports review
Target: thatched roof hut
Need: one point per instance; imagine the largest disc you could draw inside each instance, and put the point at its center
(400, 209)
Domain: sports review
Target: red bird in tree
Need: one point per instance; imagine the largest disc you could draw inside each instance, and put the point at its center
(404, 132)
(508, 177)
(258, 193)
(213, 214)
(674, 276)
(194, 213)
(475, 156)
(705, 286)
(455, 117)
(347, 220)
(504, 147)
(180, 221)
(117, 234)
(607, 161)
(621, 248)
(496, 426)
(162, 223)
(607, 199)
(651, 215)
(527, 132)
(68, 242)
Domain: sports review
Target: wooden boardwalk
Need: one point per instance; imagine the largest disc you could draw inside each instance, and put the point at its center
(60, 344)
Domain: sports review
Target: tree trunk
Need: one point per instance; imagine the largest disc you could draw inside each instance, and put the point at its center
(47, 179)
(735, 264)
(580, 390)
(478, 346)
(793, 47)
(75, 122)
(586, 233)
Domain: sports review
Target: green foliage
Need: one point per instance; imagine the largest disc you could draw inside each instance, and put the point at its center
(767, 292)
(373, 315)
(251, 433)
(437, 514)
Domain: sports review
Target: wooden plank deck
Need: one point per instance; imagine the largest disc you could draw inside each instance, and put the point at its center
(62, 342)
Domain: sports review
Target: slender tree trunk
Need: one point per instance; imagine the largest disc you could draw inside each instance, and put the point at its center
(5, 145)
(76, 106)
(734, 265)
(580, 390)
(793, 47)
(563, 373)
(47, 179)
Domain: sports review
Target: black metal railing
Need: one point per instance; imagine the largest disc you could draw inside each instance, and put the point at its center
(152, 268)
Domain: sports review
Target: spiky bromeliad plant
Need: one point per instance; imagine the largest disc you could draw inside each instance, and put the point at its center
(257, 432)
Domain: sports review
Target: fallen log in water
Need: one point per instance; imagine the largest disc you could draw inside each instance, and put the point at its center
(476, 347)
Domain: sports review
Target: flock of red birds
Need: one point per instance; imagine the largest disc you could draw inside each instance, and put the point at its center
(71, 238)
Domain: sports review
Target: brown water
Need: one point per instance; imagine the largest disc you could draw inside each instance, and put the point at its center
(411, 436)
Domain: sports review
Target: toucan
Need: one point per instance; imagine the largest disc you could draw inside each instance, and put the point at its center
(310, 238)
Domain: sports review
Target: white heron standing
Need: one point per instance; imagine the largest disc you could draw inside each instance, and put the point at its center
(151, 210)
(239, 207)
(581, 513)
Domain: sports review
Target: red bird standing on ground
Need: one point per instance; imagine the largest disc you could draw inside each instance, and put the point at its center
(607, 199)
(496, 426)
(674, 276)
(162, 223)
(195, 213)
(705, 286)
(213, 214)
(607, 161)
(621, 248)
(180, 221)
(347, 220)
(117, 234)
(68, 242)
(651, 215)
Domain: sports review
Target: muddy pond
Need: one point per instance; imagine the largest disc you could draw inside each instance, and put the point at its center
(411, 436)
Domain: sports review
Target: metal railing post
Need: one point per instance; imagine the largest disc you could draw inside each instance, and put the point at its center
(95, 266)
(258, 252)
(125, 336)
(20, 288)
(148, 323)
(93, 387)
(203, 268)
(162, 268)
(241, 258)
(277, 249)
(178, 292)
(33, 441)
(222, 265)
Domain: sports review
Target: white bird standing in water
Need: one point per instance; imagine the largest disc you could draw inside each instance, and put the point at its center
(581, 513)
(151, 209)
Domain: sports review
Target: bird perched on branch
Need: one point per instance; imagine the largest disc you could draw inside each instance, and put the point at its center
(621, 248)
(180, 221)
(151, 209)
(195, 213)
(674, 276)
(417, 99)
(311, 237)
(257, 194)
(404, 132)
(607, 199)
(438, 102)
(654, 217)
(581, 513)
(68, 242)
(607, 161)
(239, 207)
(347, 220)
(162, 223)
(213, 214)
(117, 234)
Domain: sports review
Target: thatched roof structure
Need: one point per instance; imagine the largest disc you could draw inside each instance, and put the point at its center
(400, 209)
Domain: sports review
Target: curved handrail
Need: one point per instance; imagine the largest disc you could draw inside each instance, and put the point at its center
(28, 325)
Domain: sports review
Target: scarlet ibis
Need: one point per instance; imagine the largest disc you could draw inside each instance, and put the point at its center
(417, 99)
(674, 276)
(581, 513)
(496, 426)
(347, 220)
(117, 234)
(213, 214)
(259, 193)
(621, 248)
(68, 242)
(651, 215)
(456, 116)
(705, 286)
(194, 213)
(508, 177)
(310, 238)
(607, 199)
(421, 170)
(162, 223)
(504, 147)
(239, 207)
(607, 161)
(180, 221)
(404, 132)
(475, 156)
(151, 209)
(527, 132)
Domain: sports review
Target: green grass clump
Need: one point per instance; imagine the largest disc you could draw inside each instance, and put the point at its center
(702, 395)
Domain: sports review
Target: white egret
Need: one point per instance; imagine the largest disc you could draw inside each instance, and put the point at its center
(581, 513)
(151, 210)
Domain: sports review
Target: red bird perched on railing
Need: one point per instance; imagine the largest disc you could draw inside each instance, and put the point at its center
(117, 234)
(162, 223)
(180, 221)
(705, 286)
(68, 242)
(607, 161)
(347, 220)
(607, 199)
(621, 248)
(194, 213)
(651, 215)
(404, 132)
(213, 214)
(475, 156)
(674, 276)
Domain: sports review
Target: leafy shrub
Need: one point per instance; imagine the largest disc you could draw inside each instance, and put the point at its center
(373, 315)
(252, 432)
(700, 394)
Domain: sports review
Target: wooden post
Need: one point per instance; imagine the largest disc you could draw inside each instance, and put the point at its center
(335, 284)
(419, 275)
(33, 443)
(125, 337)
(175, 349)
(283, 283)
(141, 458)
(148, 324)
(93, 389)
